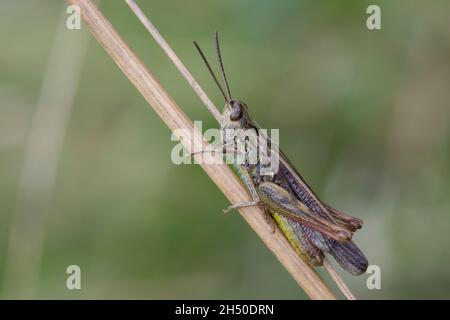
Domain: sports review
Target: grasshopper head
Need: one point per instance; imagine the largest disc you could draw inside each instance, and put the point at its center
(235, 114)
(235, 110)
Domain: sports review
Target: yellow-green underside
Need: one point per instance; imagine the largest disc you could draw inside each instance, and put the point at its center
(290, 235)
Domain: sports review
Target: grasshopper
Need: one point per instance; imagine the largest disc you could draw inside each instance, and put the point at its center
(311, 226)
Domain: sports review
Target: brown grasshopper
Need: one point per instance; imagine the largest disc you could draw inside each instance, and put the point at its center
(311, 226)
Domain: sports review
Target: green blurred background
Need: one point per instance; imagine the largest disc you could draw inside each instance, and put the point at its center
(363, 114)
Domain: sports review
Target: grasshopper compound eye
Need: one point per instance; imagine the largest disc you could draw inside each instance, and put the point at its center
(236, 111)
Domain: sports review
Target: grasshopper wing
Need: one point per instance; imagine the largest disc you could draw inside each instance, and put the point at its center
(348, 255)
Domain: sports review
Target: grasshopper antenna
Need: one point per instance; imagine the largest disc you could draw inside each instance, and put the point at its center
(211, 71)
(219, 56)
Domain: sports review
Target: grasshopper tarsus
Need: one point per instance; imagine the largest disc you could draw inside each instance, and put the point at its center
(240, 205)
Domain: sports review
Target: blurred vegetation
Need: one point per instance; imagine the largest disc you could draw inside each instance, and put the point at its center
(365, 116)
